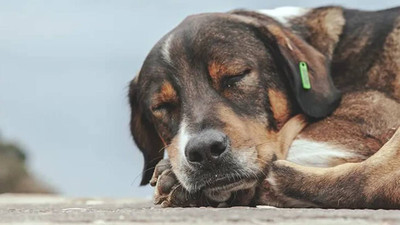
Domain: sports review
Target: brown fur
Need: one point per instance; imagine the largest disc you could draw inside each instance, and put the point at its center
(362, 125)
(385, 73)
(322, 27)
(216, 72)
(166, 94)
(367, 117)
(373, 183)
(279, 106)
(244, 132)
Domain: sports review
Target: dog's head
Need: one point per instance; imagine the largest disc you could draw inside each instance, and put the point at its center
(217, 87)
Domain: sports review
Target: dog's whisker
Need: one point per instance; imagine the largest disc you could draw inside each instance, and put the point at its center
(141, 174)
(163, 148)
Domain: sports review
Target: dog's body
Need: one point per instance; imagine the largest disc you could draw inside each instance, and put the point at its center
(362, 51)
(366, 67)
(364, 48)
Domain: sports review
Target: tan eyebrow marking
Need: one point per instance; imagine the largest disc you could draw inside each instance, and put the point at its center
(167, 93)
(216, 70)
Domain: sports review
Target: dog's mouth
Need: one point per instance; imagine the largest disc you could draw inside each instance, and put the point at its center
(224, 183)
(221, 190)
(227, 177)
(227, 183)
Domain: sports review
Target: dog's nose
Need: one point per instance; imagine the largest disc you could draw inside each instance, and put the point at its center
(206, 147)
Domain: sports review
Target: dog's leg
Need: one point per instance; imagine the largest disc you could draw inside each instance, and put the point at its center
(373, 183)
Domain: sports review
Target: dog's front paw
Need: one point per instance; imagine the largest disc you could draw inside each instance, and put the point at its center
(271, 191)
(280, 175)
(283, 186)
(168, 191)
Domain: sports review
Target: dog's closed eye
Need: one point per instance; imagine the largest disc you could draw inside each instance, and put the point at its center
(167, 106)
(229, 81)
(165, 100)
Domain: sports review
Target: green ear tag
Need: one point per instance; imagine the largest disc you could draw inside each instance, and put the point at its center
(305, 80)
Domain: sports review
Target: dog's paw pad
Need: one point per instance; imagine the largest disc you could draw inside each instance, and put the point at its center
(165, 184)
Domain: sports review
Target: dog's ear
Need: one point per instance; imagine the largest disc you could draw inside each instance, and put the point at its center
(144, 133)
(288, 50)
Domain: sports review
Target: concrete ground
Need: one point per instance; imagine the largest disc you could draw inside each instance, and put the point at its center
(42, 209)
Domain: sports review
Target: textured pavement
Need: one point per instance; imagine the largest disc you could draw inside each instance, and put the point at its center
(41, 209)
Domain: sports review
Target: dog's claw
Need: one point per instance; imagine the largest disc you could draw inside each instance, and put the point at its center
(163, 165)
(166, 182)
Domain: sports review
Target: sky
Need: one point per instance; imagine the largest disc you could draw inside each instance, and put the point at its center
(64, 70)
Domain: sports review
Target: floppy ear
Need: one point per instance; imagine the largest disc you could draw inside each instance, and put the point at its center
(288, 50)
(144, 133)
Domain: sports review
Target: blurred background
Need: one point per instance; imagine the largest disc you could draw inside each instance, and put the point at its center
(64, 70)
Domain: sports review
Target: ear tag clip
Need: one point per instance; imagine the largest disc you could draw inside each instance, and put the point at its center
(305, 80)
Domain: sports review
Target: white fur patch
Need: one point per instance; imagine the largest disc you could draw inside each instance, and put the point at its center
(184, 137)
(165, 49)
(284, 14)
(317, 154)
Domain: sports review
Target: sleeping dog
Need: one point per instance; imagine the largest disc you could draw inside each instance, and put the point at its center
(289, 107)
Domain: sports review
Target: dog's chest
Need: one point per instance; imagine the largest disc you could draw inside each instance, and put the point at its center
(318, 154)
